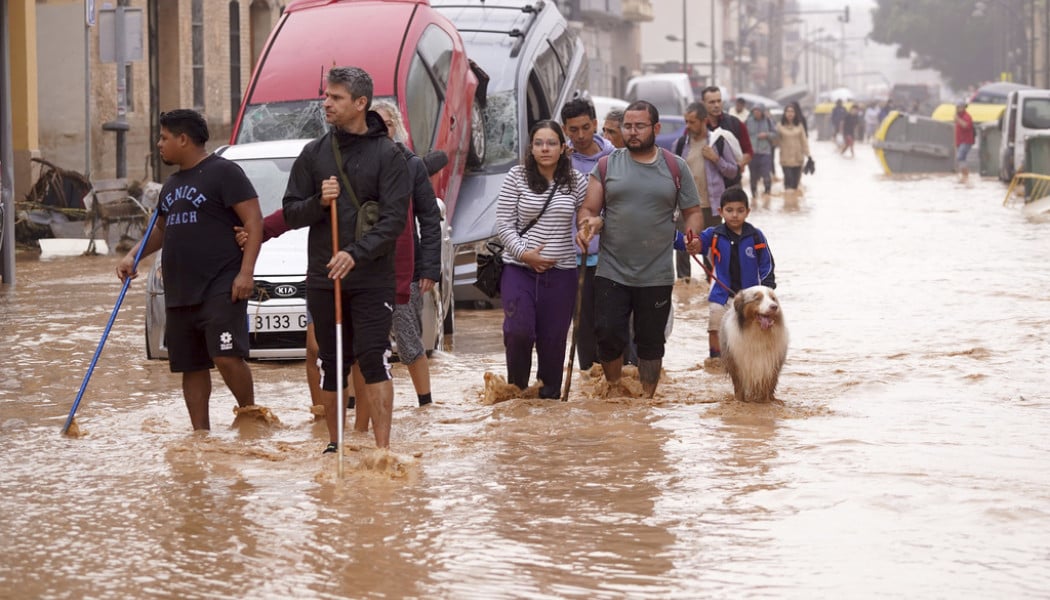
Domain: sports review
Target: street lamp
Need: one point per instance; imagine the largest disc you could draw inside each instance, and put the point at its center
(676, 39)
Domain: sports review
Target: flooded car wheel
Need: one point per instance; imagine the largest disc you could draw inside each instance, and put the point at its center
(476, 154)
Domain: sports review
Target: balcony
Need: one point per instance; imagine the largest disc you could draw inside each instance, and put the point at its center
(637, 11)
(600, 11)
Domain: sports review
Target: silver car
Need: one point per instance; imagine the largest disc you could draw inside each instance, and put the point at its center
(277, 310)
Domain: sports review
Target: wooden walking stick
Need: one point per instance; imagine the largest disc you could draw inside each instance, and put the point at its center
(576, 320)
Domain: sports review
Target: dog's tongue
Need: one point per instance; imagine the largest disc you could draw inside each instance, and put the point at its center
(765, 322)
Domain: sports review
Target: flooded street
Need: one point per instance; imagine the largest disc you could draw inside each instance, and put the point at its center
(909, 458)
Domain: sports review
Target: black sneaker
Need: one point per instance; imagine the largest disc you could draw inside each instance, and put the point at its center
(331, 448)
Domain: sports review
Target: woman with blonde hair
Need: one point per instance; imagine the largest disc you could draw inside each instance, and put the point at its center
(418, 259)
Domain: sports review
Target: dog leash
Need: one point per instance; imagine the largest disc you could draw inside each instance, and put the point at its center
(690, 236)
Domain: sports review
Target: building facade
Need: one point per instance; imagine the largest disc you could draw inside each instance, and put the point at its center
(195, 54)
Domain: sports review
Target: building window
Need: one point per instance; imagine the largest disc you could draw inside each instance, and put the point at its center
(235, 58)
(129, 88)
(197, 41)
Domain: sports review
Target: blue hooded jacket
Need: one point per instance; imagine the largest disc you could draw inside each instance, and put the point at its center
(756, 261)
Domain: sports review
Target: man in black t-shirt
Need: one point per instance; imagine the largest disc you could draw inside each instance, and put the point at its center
(207, 277)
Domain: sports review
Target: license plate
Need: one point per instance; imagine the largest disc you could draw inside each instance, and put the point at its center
(263, 323)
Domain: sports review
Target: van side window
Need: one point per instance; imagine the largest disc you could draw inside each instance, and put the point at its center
(425, 90)
(1036, 113)
(550, 74)
(436, 48)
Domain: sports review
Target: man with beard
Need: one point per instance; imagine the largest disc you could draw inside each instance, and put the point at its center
(207, 277)
(637, 193)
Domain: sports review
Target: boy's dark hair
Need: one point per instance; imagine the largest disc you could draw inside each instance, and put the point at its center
(654, 115)
(577, 107)
(186, 121)
(735, 193)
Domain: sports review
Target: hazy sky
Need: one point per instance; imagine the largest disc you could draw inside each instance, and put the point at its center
(860, 58)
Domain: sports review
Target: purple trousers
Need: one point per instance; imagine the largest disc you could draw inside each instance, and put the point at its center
(537, 311)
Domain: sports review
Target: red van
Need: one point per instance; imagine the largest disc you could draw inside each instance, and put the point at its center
(414, 55)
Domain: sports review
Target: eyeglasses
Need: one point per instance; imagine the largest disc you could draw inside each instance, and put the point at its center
(545, 143)
(635, 126)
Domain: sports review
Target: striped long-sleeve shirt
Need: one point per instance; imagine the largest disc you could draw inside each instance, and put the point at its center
(518, 205)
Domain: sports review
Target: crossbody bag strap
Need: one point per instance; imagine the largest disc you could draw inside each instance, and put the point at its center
(342, 172)
(554, 187)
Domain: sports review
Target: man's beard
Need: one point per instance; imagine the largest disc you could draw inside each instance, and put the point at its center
(646, 144)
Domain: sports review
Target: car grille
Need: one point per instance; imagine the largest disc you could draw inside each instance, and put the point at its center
(275, 340)
(265, 290)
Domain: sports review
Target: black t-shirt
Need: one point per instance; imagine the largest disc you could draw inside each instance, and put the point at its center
(201, 256)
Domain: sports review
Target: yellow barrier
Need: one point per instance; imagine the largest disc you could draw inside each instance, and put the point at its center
(980, 113)
(1039, 187)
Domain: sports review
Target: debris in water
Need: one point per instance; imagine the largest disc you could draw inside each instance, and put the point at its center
(257, 412)
(498, 390)
(74, 430)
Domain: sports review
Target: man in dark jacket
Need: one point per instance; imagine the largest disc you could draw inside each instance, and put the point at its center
(375, 171)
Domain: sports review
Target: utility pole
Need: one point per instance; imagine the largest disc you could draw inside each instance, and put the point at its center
(120, 125)
(685, 42)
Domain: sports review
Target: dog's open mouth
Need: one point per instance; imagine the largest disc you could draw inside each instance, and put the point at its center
(765, 322)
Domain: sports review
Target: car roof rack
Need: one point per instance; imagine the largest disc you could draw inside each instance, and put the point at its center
(533, 9)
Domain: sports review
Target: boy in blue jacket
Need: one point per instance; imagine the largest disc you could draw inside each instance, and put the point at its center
(739, 253)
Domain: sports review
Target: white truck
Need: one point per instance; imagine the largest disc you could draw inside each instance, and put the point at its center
(1027, 114)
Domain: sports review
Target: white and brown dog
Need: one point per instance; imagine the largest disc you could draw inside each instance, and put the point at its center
(754, 343)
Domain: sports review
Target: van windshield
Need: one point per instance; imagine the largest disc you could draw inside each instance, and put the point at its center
(294, 120)
(1036, 113)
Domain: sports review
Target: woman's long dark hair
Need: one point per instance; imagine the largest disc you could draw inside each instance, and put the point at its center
(562, 171)
(800, 119)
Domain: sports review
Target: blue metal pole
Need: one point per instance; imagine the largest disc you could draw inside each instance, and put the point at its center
(112, 317)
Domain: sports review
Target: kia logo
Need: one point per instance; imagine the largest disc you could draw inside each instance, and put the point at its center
(284, 291)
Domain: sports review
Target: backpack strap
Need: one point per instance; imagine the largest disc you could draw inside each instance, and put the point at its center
(672, 165)
(679, 145)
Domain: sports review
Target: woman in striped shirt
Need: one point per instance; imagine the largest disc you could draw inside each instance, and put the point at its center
(538, 287)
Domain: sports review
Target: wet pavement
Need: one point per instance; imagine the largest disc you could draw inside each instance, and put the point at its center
(909, 457)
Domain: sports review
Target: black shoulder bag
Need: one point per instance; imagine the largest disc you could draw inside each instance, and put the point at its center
(367, 213)
(490, 266)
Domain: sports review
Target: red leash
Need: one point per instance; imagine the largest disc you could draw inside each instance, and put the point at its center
(690, 236)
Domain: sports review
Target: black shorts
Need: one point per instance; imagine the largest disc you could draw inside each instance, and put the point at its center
(367, 318)
(197, 334)
(613, 305)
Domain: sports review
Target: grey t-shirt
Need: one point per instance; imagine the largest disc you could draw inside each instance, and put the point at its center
(638, 235)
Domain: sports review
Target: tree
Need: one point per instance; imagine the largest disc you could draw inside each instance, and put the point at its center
(944, 35)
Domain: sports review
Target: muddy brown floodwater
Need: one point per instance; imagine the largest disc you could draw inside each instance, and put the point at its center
(909, 458)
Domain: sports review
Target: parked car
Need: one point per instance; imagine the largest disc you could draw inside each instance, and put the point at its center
(670, 93)
(416, 59)
(604, 104)
(277, 309)
(1027, 114)
(535, 64)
